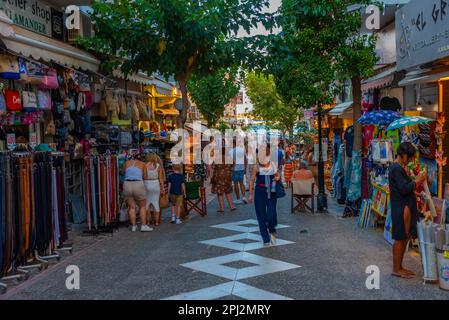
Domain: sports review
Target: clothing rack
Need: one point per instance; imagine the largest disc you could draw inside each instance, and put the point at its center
(101, 185)
(33, 212)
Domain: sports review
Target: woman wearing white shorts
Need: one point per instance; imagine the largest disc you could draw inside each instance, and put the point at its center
(154, 186)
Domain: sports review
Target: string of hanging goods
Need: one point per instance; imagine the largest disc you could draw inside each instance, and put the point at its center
(101, 185)
(33, 211)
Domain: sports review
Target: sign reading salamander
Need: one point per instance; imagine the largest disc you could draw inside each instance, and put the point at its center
(29, 14)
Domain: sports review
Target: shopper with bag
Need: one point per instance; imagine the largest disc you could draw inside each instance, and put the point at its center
(154, 186)
(267, 186)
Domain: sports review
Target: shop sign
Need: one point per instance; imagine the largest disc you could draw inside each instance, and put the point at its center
(11, 141)
(32, 15)
(422, 33)
(33, 140)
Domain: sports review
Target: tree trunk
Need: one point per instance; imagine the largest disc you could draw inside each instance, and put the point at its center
(181, 120)
(357, 112)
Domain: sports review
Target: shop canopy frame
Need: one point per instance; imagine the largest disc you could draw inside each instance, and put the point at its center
(38, 47)
(343, 110)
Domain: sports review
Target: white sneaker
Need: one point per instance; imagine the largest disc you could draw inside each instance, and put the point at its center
(238, 201)
(267, 244)
(145, 228)
(245, 201)
(273, 238)
(134, 228)
(178, 221)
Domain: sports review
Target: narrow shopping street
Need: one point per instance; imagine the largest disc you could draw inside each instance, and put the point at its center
(319, 256)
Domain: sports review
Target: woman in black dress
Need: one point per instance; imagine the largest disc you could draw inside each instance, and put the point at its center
(404, 211)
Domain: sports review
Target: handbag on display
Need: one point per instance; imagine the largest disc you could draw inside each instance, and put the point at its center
(9, 67)
(50, 79)
(43, 100)
(13, 101)
(2, 103)
(36, 72)
(51, 129)
(29, 101)
(23, 70)
(103, 109)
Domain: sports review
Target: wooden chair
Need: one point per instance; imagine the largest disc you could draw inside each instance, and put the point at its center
(302, 192)
(195, 199)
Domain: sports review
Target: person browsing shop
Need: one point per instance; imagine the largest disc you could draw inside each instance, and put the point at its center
(404, 211)
(134, 192)
(177, 193)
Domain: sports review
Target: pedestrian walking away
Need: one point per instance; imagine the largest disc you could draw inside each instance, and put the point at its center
(264, 177)
(134, 192)
(154, 186)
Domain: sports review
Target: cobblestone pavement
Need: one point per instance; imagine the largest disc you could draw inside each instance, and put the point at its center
(319, 256)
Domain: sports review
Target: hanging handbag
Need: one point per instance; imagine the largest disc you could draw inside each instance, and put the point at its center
(43, 100)
(2, 103)
(13, 101)
(50, 79)
(23, 70)
(29, 101)
(51, 129)
(9, 67)
(35, 72)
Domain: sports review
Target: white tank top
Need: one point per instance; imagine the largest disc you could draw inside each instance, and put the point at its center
(153, 174)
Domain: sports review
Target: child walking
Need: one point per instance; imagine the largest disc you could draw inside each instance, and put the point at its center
(177, 192)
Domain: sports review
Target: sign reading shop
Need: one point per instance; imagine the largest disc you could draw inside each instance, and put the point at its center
(33, 15)
(422, 32)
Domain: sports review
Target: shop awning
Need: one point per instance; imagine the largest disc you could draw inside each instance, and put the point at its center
(167, 112)
(6, 23)
(36, 46)
(417, 77)
(139, 77)
(380, 80)
(189, 126)
(341, 108)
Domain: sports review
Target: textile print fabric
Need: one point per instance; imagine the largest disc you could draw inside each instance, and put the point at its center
(355, 180)
(33, 206)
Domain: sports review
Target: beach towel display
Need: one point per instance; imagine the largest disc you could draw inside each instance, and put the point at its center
(367, 218)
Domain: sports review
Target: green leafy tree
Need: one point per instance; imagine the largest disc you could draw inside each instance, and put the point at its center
(321, 45)
(177, 37)
(268, 104)
(212, 92)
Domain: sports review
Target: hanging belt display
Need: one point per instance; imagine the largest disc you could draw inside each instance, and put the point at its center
(100, 186)
(33, 210)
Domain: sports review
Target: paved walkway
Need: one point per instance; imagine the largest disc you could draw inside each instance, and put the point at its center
(220, 257)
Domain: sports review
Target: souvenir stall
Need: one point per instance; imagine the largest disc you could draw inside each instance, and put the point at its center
(390, 129)
(33, 209)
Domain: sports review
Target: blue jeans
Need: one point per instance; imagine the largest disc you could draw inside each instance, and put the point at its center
(265, 212)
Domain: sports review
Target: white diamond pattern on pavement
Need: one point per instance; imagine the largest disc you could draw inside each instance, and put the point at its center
(231, 242)
(263, 266)
(217, 266)
(241, 226)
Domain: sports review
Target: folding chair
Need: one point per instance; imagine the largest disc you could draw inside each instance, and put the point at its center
(302, 192)
(195, 198)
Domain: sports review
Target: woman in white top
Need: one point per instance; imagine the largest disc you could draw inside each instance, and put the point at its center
(154, 186)
(264, 177)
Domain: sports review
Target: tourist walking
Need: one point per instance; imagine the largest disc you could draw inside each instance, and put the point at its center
(154, 186)
(222, 182)
(263, 181)
(404, 211)
(177, 193)
(134, 192)
(238, 173)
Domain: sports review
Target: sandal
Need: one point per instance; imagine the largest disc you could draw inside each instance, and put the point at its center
(220, 211)
(233, 209)
(402, 275)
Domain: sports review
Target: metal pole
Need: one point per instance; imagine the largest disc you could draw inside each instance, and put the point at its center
(321, 198)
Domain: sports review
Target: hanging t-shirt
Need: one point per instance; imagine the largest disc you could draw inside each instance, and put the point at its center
(349, 138)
